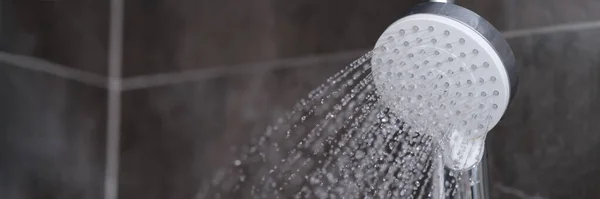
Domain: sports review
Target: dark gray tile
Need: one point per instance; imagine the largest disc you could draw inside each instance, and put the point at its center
(536, 13)
(176, 35)
(518, 14)
(493, 11)
(72, 33)
(176, 136)
(318, 27)
(170, 36)
(165, 133)
(548, 142)
(53, 136)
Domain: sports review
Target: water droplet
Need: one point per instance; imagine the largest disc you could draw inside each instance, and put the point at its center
(402, 32)
(469, 82)
(406, 43)
(237, 163)
(419, 40)
(410, 55)
(473, 67)
(434, 41)
(493, 79)
(463, 55)
(446, 84)
(448, 45)
(461, 41)
(430, 28)
(396, 51)
(483, 94)
(389, 61)
(481, 80)
(496, 93)
(495, 106)
(436, 52)
(450, 59)
(447, 33)
(475, 51)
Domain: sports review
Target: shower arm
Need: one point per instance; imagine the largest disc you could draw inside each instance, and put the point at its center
(443, 1)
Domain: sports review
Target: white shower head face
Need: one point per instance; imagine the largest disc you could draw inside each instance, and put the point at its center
(444, 79)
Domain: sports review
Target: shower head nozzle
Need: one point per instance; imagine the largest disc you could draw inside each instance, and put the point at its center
(447, 72)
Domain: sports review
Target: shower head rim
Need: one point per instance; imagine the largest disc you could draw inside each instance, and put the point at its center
(481, 26)
(476, 144)
(492, 35)
(497, 48)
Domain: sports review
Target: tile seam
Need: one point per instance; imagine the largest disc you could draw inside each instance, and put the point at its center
(113, 120)
(152, 80)
(145, 81)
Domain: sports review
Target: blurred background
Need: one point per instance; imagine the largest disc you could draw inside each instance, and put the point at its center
(199, 76)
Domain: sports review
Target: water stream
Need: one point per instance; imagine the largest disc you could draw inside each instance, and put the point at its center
(339, 142)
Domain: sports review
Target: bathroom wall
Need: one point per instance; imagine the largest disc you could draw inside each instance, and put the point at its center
(200, 76)
(53, 108)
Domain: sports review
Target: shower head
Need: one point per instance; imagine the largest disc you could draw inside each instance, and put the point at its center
(448, 73)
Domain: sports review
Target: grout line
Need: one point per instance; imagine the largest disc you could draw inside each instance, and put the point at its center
(41, 65)
(552, 29)
(113, 131)
(146, 81)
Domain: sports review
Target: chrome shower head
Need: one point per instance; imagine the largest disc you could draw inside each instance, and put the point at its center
(448, 73)
(443, 1)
